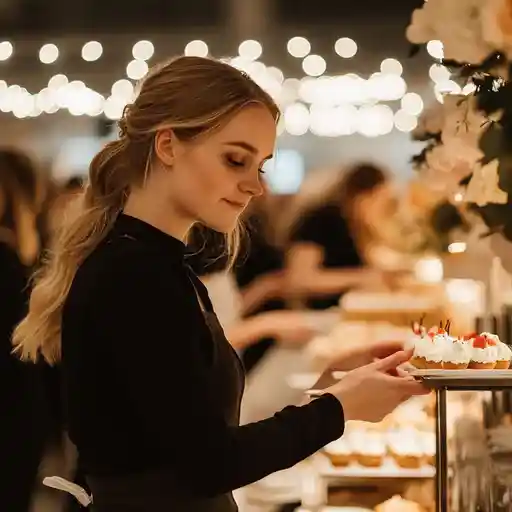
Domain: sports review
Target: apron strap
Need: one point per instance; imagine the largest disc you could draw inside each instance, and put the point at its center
(61, 484)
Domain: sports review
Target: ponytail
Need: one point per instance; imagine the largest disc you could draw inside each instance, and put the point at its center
(88, 220)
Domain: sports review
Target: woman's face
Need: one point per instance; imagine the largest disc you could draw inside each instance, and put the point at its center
(380, 203)
(213, 179)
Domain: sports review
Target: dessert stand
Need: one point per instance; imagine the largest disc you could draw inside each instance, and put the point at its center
(442, 382)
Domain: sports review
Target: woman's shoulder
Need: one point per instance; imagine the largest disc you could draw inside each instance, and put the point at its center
(126, 265)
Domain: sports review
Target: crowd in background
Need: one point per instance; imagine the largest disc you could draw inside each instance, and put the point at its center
(300, 253)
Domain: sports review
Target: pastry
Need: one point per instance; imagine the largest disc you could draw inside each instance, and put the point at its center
(428, 444)
(398, 504)
(339, 452)
(456, 355)
(504, 352)
(483, 355)
(406, 450)
(370, 450)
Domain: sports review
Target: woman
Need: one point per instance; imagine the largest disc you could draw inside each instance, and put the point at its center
(22, 401)
(330, 243)
(152, 387)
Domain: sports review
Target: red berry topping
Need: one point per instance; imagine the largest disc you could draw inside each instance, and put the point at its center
(480, 342)
(470, 336)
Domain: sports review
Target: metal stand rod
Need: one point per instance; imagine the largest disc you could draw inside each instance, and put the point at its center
(442, 452)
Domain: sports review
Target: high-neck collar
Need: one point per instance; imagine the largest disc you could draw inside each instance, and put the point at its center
(127, 225)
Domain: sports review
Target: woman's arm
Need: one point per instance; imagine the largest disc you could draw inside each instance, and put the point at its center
(160, 360)
(260, 290)
(307, 276)
(291, 327)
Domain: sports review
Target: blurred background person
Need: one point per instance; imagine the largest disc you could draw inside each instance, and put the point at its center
(23, 400)
(331, 239)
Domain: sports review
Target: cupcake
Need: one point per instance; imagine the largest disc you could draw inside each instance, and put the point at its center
(398, 504)
(370, 450)
(433, 349)
(428, 443)
(483, 355)
(406, 451)
(339, 452)
(504, 352)
(456, 355)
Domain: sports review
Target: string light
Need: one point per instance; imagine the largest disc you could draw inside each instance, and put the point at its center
(92, 51)
(6, 50)
(327, 106)
(48, 53)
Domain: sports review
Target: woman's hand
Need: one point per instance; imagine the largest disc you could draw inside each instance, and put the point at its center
(373, 391)
(365, 353)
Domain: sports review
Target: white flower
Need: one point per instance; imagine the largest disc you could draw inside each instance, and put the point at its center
(484, 186)
(456, 23)
(431, 121)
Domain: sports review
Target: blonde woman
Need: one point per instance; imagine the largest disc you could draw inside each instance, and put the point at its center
(152, 386)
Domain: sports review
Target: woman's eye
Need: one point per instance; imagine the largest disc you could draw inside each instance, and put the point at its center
(234, 162)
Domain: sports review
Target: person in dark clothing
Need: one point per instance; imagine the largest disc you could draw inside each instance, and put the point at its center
(327, 242)
(22, 399)
(152, 386)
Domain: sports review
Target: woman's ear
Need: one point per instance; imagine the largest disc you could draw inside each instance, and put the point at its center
(164, 147)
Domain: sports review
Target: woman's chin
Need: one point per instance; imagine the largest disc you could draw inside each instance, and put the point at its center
(222, 225)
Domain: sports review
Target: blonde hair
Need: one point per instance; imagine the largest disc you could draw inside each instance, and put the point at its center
(190, 95)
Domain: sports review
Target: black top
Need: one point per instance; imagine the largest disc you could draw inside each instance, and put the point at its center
(147, 386)
(327, 228)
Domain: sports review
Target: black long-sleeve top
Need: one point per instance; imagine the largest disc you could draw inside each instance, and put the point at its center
(146, 387)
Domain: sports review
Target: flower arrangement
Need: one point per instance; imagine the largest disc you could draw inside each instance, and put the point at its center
(468, 137)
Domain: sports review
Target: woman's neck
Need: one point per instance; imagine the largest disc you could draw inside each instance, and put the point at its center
(160, 216)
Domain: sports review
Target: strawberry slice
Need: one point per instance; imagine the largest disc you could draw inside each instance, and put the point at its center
(480, 342)
(470, 336)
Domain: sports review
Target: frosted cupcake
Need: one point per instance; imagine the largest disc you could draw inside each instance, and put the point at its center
(339, 452)
(406, 450)
(430, 351)
(504, 352)
(398, 504)
(456, 355)
(370, 450)
(428, 443)
(483, 355)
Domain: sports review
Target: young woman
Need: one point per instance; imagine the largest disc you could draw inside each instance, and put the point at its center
(152, 387)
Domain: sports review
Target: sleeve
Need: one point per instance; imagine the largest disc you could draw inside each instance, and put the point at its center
(154, 327)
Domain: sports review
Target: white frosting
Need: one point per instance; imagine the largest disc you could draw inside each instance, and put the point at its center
(407, 445)
(504, 352)
(339, 447)
(484, 355)
(491, 336)
(370, 444)
(457, 352)
(428, 443)
(429, 349)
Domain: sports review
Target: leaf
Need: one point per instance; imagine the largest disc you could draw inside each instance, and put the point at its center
(445, 218)
(495, 216)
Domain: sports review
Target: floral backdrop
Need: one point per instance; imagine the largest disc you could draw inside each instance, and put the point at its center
(468, 151)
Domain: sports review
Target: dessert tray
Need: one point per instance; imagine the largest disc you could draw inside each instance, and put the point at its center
(388, 469)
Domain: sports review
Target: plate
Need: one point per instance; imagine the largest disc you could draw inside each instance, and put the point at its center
(463, 374)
